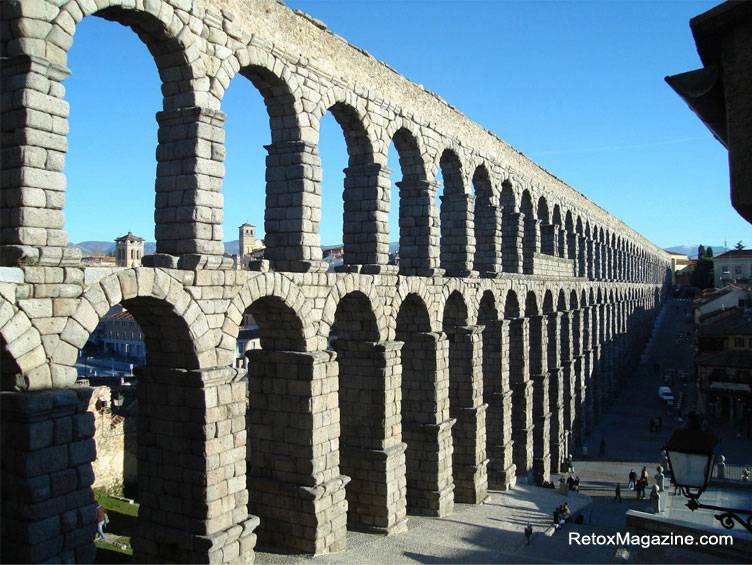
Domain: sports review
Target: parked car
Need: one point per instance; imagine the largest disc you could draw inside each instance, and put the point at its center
(665, 394)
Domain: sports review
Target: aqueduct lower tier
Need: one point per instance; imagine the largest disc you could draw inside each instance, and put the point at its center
(433, 391)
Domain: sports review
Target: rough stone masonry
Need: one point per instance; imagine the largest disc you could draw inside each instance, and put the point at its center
(481, 360)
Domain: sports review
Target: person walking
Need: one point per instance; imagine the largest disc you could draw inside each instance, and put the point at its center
(101, 520)
(617, 495)
(632, 479)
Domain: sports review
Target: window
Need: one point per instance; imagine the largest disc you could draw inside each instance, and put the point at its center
(725, 270)
(738, 270)
(738, 342)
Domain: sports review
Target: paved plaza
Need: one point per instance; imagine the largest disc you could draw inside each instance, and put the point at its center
(493, 532)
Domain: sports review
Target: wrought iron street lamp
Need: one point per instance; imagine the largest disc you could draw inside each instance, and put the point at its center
(691, 456)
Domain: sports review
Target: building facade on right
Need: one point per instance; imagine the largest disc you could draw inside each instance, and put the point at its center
(724, 365)
(732, 267)
(719, 92)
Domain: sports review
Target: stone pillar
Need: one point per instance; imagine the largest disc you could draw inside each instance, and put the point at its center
(579, 428)
(530, 245)
(457, 234)
(189, 202)
(568, 376)
(572, 247)
(47, 503)
(469, 463)
(556, 394)
(192, 467)
(606, 355)
(366, 217)
(295, 484)
(562, 243)
(426, 425)
(512, 232)
(589, 389)
(33, 142)
(597, 273)
(541, 404)
(293, 207)
(596, 335)
(419, 228)
(371, 447)
(581, 256)
(608, 266)
(522, 397)
(589, 258)
(549, 239)
(498, 396)
(488, 240)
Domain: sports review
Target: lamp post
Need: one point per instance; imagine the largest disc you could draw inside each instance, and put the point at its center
(691, 456)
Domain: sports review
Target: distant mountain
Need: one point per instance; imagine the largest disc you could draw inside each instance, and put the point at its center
(691, 250)
(89, 247)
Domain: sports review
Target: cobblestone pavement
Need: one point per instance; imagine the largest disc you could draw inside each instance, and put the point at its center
(492, 532)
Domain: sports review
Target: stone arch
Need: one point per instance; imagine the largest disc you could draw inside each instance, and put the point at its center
(417, 289)
(462, 306)
(160, 305)
(457, 226)
(455, 311)
(465, 400)
(177, 57)
(487, 309)
(355, 318)
(511, 305)
(277, 85)
(350, 113)
(171, 42)
(369, 410)
(573, 300)
(487, 224)
(283, 298)
(531, 304)
(418, 220)
(560, 237)
(411, 150)
(531, 235)
(543, 213)
(22, 356)
(365, 213)
(548, 302)
(511, 258)
(367, 300)
(496, 391)
(425, 407)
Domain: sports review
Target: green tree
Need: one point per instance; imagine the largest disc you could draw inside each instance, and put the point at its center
(702, 276)
(739, 245)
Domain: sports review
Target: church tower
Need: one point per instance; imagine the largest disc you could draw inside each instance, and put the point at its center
(129, 249)
(247, 239)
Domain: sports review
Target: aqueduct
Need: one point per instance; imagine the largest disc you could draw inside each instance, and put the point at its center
(482, 359)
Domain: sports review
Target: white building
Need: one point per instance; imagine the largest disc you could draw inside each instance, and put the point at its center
(733, 266)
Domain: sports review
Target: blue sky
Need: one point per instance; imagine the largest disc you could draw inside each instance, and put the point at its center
(576, 86)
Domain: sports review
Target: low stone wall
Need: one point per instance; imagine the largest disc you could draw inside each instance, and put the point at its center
(550, 266)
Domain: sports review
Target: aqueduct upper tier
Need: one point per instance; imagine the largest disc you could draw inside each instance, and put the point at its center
(379, 390)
